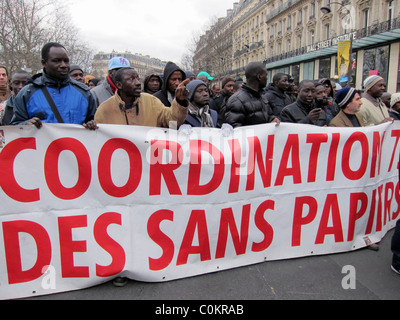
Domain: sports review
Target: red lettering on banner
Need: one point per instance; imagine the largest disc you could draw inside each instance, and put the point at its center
(11, 231)
(104, 167)
(236, 151)
(397, 198)
(227, 221)
(346, 159)
(197, 221)
(263, 226)
(376, 153)
(51, 168)
(108, 244)
(197, 164)
(158, 169)
(291, 148)
(7, 178)
(166, 244)
(333, 150)
(395, 134)
(316, 140)
(299, 220)
(255, 153)
(355, 213)
(68, 246)
(331, 206)
(389, 194)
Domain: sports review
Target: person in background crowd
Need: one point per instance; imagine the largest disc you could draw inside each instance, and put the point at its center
(276, 93)
(216, 90)
(67, 102)
(131, 107)
(87, 78)
(293, 89)
(173, 77)
(152, 83)
(394, 111)
(304, 109)
(386, 97)
(93, 83)
(107, 89)
(200, 113)
(322, 101)
(332, 108)
(190, 75)
(373, 109)
(220, 102)
(237, 86)
(248, 106)
(76, 73)
(4, 85)
(205, 77)
(349, 100)
(17, 82)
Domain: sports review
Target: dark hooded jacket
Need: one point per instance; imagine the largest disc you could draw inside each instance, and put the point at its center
(277, 100)
(146, 82)
(170, 68)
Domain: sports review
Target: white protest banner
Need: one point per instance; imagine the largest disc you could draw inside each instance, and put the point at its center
(81, 207)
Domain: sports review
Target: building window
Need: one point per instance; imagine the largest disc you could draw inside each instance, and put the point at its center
(300, 17)
(289, 22)
(308, 73)
(312, 10)
(366, 18)
(324, 68)
(312, 37)
(327, 32)
(376, 60)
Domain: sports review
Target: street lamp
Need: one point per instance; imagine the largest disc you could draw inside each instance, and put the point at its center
(327, 10)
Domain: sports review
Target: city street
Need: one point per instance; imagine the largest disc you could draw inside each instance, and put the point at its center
(310, 278)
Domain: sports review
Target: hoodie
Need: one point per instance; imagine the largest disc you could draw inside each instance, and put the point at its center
(170, 68)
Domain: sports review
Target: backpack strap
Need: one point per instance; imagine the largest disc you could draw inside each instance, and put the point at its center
(52, 105)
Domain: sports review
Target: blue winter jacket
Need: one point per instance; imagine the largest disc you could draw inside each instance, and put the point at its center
(73, 100)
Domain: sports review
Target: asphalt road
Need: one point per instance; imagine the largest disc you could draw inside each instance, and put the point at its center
(365, 273)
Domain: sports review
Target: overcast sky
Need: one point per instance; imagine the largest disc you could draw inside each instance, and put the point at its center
(159, 28)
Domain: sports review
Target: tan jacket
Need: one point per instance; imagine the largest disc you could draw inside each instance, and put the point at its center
(341, 120)
(147, 111)
(374, 111)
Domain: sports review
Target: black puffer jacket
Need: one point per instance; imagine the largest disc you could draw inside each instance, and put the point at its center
(298, 113)
(277, 99)
(248, 107)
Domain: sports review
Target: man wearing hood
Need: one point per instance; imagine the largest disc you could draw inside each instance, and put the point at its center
(53, 97)
(276, 93)
(173, 76)
(152, 83)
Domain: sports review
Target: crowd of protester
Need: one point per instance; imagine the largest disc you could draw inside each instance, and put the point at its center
(62, 93)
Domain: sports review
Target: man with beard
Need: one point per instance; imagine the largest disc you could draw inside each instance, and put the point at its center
(200, 114)
(52, 97)
(131, 107)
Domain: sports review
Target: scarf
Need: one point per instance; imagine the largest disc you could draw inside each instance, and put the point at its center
(203, 115)
(112, 85)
